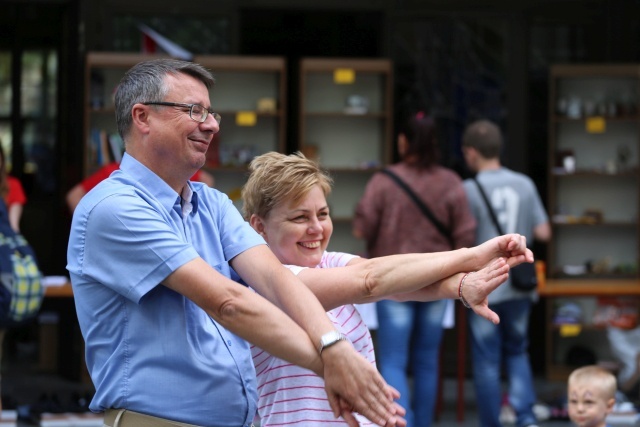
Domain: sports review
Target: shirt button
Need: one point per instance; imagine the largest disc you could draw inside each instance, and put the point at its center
(229, 343)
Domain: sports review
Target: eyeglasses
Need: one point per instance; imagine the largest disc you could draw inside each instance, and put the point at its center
(197, 112)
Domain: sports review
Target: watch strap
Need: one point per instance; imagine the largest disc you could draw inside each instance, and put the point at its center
(330, 338)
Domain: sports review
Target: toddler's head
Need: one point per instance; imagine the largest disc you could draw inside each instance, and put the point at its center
(591, 395)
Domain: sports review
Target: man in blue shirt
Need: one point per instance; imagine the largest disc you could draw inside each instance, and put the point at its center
(155, 261)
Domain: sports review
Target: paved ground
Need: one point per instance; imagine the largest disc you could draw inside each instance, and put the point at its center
(26, 385)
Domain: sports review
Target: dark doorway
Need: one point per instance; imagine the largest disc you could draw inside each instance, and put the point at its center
(309, 33)
(37, 122)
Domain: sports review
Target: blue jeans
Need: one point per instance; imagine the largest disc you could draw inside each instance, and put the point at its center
(411, 332)
(493, 346)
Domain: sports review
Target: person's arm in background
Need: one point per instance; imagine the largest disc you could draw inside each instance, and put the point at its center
(73, 196)
(542, 232)
(463, 223)
(367, 212)
(16, 199)
(15, 214)
(78, 191)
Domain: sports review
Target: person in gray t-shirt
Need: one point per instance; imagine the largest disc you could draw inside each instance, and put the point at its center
(518, 208)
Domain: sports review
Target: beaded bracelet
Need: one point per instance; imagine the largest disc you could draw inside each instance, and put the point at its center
(462, 300)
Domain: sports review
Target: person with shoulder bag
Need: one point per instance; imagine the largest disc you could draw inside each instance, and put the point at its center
(503, 200)
(414, 206)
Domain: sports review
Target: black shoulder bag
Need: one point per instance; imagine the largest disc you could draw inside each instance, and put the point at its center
(523, 276)
(424, 208)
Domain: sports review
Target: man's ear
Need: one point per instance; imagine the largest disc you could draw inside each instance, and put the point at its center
(140, 117)
(256, 222)
(469, 155)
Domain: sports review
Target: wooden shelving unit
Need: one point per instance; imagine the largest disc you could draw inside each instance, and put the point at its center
(351, 139)
(594, 176)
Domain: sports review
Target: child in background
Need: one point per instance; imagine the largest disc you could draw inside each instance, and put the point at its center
(591, 396)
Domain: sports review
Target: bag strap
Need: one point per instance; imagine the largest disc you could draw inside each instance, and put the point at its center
(486, 201)
(425, 210)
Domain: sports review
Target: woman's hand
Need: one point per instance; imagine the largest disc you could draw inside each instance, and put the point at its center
(513, 247)
(479, 284)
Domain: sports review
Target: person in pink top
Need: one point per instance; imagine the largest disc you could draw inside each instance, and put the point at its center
(284, 199)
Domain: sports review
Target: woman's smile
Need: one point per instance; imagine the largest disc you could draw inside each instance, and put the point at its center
(311, 245)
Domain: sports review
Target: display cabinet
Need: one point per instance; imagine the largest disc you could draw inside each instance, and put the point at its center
(593, 201)
(346, 123)
(249, 94)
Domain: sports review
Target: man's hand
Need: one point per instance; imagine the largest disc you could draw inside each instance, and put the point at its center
(353, 384)
(347, 412)
(479, 284)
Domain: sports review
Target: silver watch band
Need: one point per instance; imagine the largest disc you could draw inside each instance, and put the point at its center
(330, 338)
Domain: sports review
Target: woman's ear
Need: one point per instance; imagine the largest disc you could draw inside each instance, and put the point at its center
(256, 222)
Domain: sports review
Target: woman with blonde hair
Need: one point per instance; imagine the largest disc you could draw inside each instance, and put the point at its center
(285, 200)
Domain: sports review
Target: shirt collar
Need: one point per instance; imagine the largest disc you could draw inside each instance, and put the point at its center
(189, 200)
(148, 180)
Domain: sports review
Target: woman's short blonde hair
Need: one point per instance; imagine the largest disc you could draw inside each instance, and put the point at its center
(601, 379)
(275, 178)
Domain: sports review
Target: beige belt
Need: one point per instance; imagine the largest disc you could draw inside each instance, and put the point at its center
(125, 418)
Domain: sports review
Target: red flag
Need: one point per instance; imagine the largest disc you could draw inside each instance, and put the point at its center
(153, 42)
(148, 44)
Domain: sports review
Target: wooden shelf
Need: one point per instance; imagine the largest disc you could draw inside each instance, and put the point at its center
(350, 146)
(343, 115)
(589, 287)
(613, 196)
(611, 119)
(597, 224)
(596, 70)
(595, 174)
(64, 291)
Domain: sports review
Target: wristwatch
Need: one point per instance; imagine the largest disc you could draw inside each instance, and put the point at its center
(330, 338)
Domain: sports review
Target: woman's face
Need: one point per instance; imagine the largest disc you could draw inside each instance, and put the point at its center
(298, 234)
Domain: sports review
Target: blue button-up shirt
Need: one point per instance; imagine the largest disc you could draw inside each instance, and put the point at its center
(148, 348)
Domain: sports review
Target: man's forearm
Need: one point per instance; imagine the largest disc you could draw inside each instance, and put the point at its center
(280, 286)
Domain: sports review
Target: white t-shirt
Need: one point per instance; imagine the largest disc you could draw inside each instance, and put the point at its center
(293, 396)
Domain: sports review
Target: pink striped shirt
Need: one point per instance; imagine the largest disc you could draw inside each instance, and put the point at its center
(292, 396)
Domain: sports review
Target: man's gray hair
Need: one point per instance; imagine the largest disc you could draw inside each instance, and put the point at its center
(145, 82)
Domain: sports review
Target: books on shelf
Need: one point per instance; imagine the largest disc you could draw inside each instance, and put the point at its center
(105, 147)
